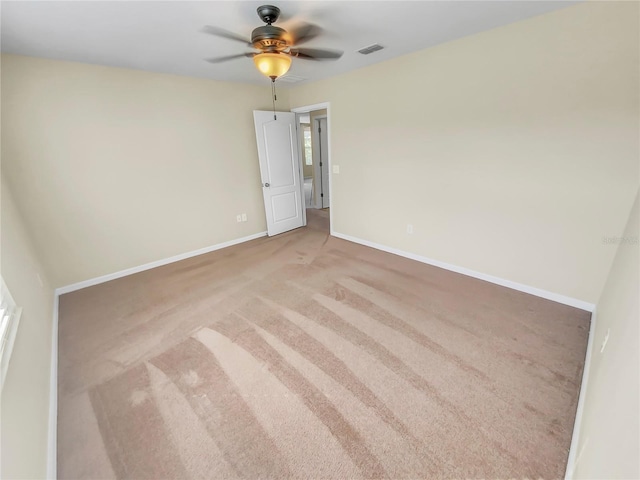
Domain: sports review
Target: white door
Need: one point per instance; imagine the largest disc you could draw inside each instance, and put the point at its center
(280, 170)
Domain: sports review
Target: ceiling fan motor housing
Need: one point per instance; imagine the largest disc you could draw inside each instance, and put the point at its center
(275, 43)
(268, 13)
(270, 38)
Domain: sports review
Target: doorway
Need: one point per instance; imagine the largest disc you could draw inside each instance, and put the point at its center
(315, 162)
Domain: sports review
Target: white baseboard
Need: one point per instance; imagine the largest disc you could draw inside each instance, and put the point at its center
(158, 263)
(52, 442)
(577, 424)
(574, 455)
(589, 307)
(53, 384)
(53, 401)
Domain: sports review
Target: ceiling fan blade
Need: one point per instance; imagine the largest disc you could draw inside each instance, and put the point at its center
(221, 32)
(315, 54)
(229, 57)
(303, 33)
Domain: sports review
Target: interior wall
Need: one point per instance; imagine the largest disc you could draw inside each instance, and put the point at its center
(114, 168)
(608, 445)
(512, 152)
(24, 407)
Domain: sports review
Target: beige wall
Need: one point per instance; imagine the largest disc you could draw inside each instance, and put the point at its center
(114, 168)
(511, 152)
(608, 445)
(24, 407)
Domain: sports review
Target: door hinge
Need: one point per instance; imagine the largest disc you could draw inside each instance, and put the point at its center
(322, 194)
(319, 129)
(320, 163)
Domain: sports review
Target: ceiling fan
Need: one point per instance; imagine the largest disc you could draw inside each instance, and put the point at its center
(275, 46)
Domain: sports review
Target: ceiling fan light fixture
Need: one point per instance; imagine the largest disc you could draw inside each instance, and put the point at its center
(272, 65)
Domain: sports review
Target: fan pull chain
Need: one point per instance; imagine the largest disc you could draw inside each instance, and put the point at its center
(273, 96)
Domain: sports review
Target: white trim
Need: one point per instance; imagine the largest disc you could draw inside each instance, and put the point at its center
(52, 450)
(53, 388)
(301, 161)
(52, 454)
(311, 108)
(12, 315)
(577, 424)
(158, 263)
(556, 297)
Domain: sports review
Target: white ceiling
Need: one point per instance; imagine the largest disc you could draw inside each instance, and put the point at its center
(165, 36)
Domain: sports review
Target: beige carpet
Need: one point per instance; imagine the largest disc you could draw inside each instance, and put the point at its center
(306, 356)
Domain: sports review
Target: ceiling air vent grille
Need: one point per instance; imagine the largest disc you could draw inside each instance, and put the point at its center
(370, 49)
(290, 79)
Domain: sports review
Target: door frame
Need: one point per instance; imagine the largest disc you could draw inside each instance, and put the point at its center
(308, 109)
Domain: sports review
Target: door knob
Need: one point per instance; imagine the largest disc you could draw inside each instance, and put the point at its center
(267, 184)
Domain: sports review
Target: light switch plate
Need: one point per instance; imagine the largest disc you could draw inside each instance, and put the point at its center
(336, 169)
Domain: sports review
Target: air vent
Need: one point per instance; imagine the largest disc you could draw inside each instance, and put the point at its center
(370, 49)
(290, 79)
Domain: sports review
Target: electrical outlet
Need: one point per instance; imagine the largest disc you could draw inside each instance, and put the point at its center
(410, 229)
(606, 339)
(244, 217)
(238, 218)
